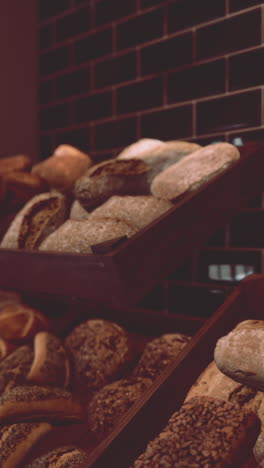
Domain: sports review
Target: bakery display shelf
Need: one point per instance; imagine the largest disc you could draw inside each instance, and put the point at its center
(151, 412)
(129, 270)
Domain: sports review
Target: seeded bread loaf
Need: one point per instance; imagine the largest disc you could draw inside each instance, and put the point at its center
(62, 457)
(14, 368)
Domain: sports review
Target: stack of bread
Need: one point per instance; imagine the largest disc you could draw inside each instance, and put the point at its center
(91, 376)
(77, 203)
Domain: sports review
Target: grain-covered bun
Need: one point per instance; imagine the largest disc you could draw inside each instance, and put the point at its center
(135, 210)
(77, 211)
(112, 401)
(35, 221)
(19, 162)
(114, 177)
(17, 440)
(21, 187)
(19, 322)
(14, 368)
(158, 353)
(63, 168)
(194, 170)
(100, 350)
(62, 457)
(35, 403)
(79, 235)
(205, 432)
(240, 355)
(51, 364)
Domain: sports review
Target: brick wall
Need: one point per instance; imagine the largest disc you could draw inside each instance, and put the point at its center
(113, 71)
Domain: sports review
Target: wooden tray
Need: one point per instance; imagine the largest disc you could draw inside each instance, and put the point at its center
(150, 414)
(130, 270)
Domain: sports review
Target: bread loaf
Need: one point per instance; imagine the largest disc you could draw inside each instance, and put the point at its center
(140, 148)
(19, 322)
(193, 170)
(14, 368)
(36, 220)
(79, 235)
(63, 168)
(19, 162)
(137, 211)
(77, 211)
(6, 347)
(62, 457)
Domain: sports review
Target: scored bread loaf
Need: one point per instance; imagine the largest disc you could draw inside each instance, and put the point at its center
(137, 210)
(78, 235)
(194, 170)
(36, 220)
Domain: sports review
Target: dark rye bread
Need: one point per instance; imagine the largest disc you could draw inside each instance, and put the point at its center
(14, 368)
(51, 364)
(35, 221)
(100, 350)
(112, 401)
(19, 162)
(194, 170)
(114, 177)
(205, 432)
(17, 440)
(36, 403)
(62, 457)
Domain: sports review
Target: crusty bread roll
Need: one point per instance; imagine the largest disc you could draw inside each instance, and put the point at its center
(21, 187)
(35, 403)
(135, 210)
(36, 220)
(114, 177)
(205, 432)
(240, 354)
(158, 353)
(194, 170)
(62, 457)
(63, 168)
(19, 162)
(79, 235)
(112, 401)
(19, 322)
(14, 368)
(78, 211)
(17, 440)
(51, 364)
(100, 350)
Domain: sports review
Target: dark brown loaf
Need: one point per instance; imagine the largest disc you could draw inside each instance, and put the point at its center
(62, 457)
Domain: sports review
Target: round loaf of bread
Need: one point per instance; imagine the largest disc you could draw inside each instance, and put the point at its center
(19, 162)
(14, 368)
(193, 170)
(42, 215)
(19, 322)
(112, 401)
(158, 353)
(63, 168)
(79, 235)
(100, 351)
(62, 457)
(135, 210)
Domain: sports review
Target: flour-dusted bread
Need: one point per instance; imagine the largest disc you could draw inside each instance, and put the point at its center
(112, 401)
(100, 350)
(19, 322)
(140, 148)
(77, 211)
(17, 440)
(62, 457)
(194, 170)
(78, 235)
(42, 215)
(113, 177)
(240, 354)
(137, 210)
(18, 162)
(158, 353)
(63, 168)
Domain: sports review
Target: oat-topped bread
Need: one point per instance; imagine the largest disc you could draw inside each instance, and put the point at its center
(205, 432)
(240, 354)
(112, 401)
(77, 211)
(63, 168)
(51, 364)
(100, 350)
(19, 162)
(135, 210)
(113, 177)
(63, 457)
(213, 383)
(34, 403)
(194, 170)
(21, 187)
(6, 348)
(17, 440)
(158, 353)
(35, 221)
(162, 155)
(19, 322)
(79, 235)
(14, 368)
